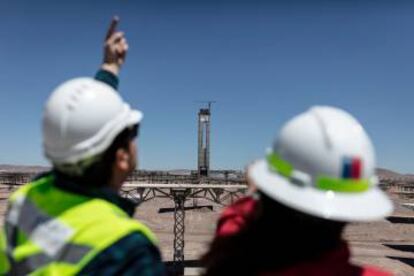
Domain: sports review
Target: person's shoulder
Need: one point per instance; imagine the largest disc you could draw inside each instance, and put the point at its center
(42, 175)
(134, 254)
(40, 180)
(134, 241)
(373, 271)
(235, 216)
(108, 221)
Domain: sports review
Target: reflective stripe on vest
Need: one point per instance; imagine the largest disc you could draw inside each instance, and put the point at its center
(52, 231)
(4, 263)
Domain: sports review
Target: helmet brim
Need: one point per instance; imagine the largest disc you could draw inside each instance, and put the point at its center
(135, 117)
(365, 206)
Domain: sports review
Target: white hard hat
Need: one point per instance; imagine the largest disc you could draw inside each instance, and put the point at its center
(81, 119)
(323, 164)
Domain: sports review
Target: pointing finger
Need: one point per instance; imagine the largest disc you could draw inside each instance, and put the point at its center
(112, 27)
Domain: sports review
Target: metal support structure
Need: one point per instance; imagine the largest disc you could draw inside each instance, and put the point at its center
(179, 196)
(221, 194)
(218, 193)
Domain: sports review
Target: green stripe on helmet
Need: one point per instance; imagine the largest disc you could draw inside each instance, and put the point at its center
(284, 168)
(279, 165)
(343, 185)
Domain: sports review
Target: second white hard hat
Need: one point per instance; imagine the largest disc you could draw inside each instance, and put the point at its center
(323, 164)
(81, 119)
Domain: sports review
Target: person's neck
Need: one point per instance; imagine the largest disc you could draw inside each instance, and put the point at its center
(116, 182)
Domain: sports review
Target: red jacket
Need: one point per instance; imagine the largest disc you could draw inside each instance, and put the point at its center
(335, 262)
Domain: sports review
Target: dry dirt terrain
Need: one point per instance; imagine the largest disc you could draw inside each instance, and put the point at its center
(383, 244)
(380, 243)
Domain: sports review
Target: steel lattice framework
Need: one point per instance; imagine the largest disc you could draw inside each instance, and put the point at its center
(220, 194)
(179, 229)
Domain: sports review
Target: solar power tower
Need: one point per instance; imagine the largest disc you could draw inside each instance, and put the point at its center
(204, 119)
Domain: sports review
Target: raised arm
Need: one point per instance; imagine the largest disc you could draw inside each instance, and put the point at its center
(115, 50)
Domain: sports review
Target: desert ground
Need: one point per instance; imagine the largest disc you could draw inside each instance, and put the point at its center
(378, 243)
(384, 244)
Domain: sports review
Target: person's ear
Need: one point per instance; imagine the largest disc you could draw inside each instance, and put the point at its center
(122, 160)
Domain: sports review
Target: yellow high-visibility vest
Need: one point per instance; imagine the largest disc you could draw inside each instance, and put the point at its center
(55, 232)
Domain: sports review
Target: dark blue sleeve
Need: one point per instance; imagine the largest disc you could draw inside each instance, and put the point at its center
(132, 255)
(108, 78)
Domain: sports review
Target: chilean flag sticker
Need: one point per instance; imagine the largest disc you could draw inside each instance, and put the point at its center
(351, 167)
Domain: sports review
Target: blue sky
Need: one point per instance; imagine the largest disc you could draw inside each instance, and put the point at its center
(262, 61)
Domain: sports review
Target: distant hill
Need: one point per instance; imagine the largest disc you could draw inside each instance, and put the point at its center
(22, 168)
(391, 175)
(382, 173)
(387, 173)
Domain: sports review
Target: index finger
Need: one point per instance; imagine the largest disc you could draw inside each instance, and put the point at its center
(112, 27)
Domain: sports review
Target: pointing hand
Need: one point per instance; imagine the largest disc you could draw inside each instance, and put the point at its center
(115, 48)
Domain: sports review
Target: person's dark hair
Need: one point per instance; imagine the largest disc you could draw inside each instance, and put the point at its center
(99, 173)
(274, 238)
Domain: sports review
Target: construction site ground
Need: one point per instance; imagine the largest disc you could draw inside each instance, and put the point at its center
(384, 244)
